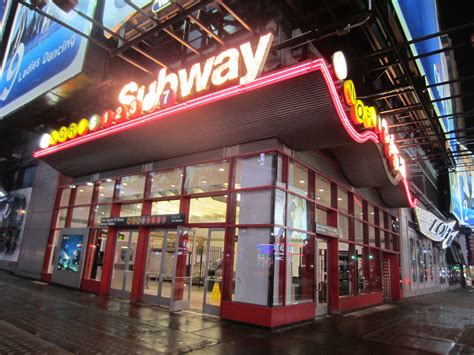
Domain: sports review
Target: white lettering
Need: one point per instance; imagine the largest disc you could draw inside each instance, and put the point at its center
(197, 77)
(254, 63)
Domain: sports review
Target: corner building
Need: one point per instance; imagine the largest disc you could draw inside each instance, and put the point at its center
(263, 203)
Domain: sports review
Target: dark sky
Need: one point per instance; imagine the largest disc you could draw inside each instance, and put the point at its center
(453, 13)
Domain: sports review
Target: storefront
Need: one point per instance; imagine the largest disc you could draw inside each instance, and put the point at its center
(226, 204)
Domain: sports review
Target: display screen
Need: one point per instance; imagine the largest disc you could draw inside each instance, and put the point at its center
(434, 67)
(5, 6)
(42, 54)
(70, 252)
(117, 12)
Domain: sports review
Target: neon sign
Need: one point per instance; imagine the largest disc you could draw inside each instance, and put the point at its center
(241, 64)
(366, 117)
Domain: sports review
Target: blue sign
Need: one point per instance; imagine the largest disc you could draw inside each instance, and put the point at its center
(462, 184)
(5, 6)
(41, 54)
(420, 18)
(117, 12)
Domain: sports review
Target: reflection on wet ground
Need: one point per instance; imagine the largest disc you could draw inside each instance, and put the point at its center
(47, 319)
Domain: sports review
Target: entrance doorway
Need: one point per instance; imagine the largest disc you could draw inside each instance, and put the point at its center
(321, 277)
(207, 276)
(124, 263)
(169, 268)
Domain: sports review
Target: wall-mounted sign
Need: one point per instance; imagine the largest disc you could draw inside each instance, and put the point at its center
(366, 117)
(239, 64)
(167, 219)
(434, 228)
(160, 5)
(41, 54)
(327, 230)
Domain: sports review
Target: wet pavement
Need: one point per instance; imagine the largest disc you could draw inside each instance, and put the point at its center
(47, 319)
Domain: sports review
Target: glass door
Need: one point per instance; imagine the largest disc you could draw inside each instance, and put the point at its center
(183, 270)
(124, 263)
(321, 277)
(213, 261)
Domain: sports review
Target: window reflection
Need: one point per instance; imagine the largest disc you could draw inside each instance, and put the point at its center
(206, 177)
(166, 183)
(255, 171)
(106, 190)
(343, 201)
(80, 217)
(323, 191)
(208, 209)
(131, 210)
(131, 187)
(65, 194)
(84, 194)
(101, 211)
(297, 212)
(298, 179)
(165, 207)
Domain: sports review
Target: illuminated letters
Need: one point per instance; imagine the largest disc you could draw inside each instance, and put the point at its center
(227, 67)
(197, 77)
(254, 63)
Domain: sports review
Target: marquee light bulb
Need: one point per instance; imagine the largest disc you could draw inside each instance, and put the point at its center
(339, 65)
(44, 141)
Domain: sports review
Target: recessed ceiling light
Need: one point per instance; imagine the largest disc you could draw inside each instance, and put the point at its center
(301, 181)
(81, 190)
(108, 180)
(339, 198)
(90, 183)
(173, 185)
(221, 169)
(204, 181)
(321, 190)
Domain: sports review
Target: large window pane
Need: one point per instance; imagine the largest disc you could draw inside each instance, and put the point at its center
(371, 214)
(346, 264)
(65, 194)
(101, 211)
(207, 177)
(165, 207)
(131, 210)
(358, 232)
(208, 209)
(80, 217)
(297, 212)
(106, 191)
(255, 171)
(342, 201)
(358, 210)
(343, 226)
(280, 210)
(254, 207)
(372, 240)
(253, 265)
(375, 272)
(298, 179)
(166, 183)
(323, 191)
(61, 218)
(299, 267)
(362, 270)
(321, 217)
(132, 187)
(84, 194)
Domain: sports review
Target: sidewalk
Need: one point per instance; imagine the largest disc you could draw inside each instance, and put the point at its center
(41, 318)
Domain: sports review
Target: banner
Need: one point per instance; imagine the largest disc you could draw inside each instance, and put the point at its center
(41, 54)
(13, 212)
(420, 18)
(462, 193)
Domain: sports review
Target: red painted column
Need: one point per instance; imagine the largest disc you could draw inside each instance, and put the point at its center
(333, 276)
(140, 265)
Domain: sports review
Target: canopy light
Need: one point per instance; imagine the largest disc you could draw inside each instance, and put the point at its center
(339, 65)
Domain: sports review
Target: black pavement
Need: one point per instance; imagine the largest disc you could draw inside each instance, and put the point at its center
(47, 319)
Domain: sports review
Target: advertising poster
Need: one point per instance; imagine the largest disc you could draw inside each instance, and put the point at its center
(13, 212)
(117, 12)
(41, 54)
(5, 6)
(69, 258)
(434, 67)
(462, 193)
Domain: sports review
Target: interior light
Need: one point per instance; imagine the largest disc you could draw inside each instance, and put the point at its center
(318, 198)
(124, 184)
(204, 181)
(173, 185)
(221, 169)
(108, 180)
(102, 195)
(72, 186)
(339, 65)
(339, 198)
(321, 190)
(81, 190)
(301, 181)
(90, 183)
(44, 141)
(101, 187)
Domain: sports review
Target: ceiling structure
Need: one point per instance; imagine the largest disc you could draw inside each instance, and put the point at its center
(380, 63)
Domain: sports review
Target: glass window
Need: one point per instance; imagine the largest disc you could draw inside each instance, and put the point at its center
(361, 270)
(208, 209)
(343, 226)
(278, 266)
(131, 210)
(372, 241)
(342, 201)
(321, 217)
(80, 217)
(298, 179)
(413, 261)
(280, 209)
(207, 177)
(346, 264)
(323, 191)
(297, 212)
(65, 195)
(84, 194)
(101, 211)
(95, 257)
(131, 187)
(254, 207)
(375, 272)
(166, 183)
(371, 214)
(106, 191)
(165, 207)
(358, 232)
(299, 267)
(255, 171)
(54, 251)
(358, 208)
(61, 218)
(254, 252)
(280, 182)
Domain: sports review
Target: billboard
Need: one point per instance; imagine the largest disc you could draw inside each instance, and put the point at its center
(41, 54)
(70, 252)
(434, 67)
(117, 12)
(5, 6)
(462, 187)
(13, 212)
